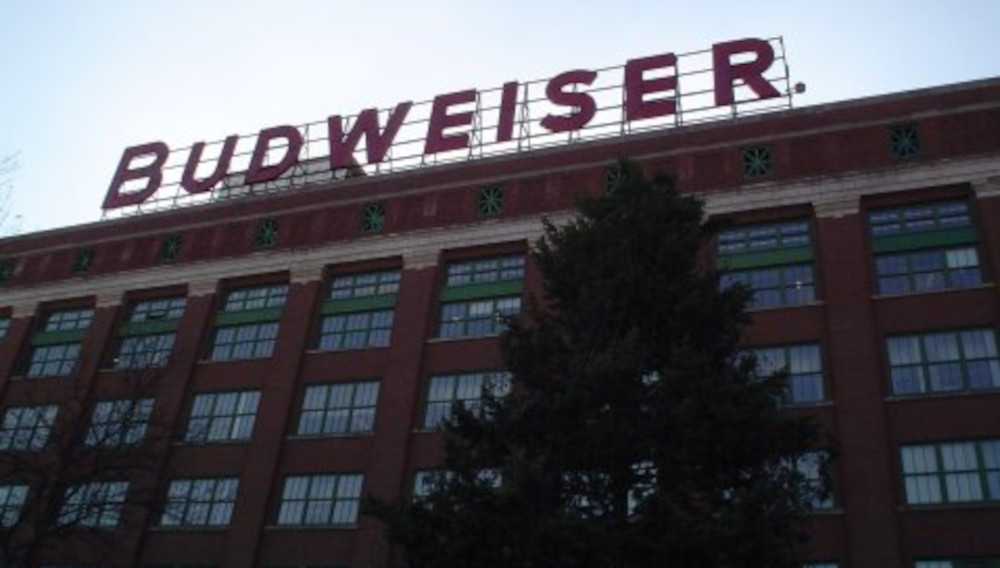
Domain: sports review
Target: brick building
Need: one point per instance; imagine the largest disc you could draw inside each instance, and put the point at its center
(306, 342)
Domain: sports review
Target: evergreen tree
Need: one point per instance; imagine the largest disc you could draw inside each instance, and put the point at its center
(635, 434)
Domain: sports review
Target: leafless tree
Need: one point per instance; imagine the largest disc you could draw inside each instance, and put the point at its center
(8, 165)
(69, 474)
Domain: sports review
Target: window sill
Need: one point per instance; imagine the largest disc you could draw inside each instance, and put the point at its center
(938, 507)
(352, 350)
(223, 361)
(941, 395)
(189, 528)
(39, 377)
(310, 527)
(806, 405)
(814, 303)
(462, 338)
(194, 444)
(329, 436)
(984, 286)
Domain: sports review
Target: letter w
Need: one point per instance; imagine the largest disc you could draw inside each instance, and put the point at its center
(376, 143)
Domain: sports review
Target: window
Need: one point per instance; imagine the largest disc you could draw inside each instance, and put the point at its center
(170, 248)
(489, 202)
(144, 351)
(953, 472)
(222, 416)
(56, 347)
(467, 389)
(53, 360)
(925, 247)
(27, 427)
(342, 408)
(373, 218)
(247, 326)
(12, 498)
(757, 162)
(84, 260)
(904, 141)
(428, 481)
(200, 502)
(320, 499)
(480, 295)
(97, 505)
(266, 234)
(147, 338)
(774, 261)
(928, 270)
(813, 468)
(804, 366)
(4, 326)
(119, 422)
(359, 311)
(948, 361)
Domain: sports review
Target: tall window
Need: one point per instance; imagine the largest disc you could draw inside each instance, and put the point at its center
(12, 498)
(804, 365)
(119, 422)
(466, 389)
(222, 416)
(27, 427)
(56, 347)
(947, 361)
(812, 466)
(952, 472)
(339, 408)
(247, 326)
(925, 247)
(774, 261)
(480, 295)
(4, 326)
(320, 499)
(359, 311)
(147, 338)
(200, 502)
(94, 505)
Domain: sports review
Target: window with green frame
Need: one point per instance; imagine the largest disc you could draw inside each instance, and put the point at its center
(359, 311)
(944, 361)
(959, 563)
(951, 472)
(55, 348)
(480, 295)
(147, 338)
(247, 325)
(773, 260)
(925, 247)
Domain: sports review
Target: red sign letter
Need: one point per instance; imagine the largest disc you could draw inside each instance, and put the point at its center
(440, 119)
(508, 103)
(584, 103)
(257, 172)
(115, 197)
(636, 87)
(752, 73)
(376, 145)
(192, 185)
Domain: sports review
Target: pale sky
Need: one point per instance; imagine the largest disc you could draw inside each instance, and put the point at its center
(83, 80)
